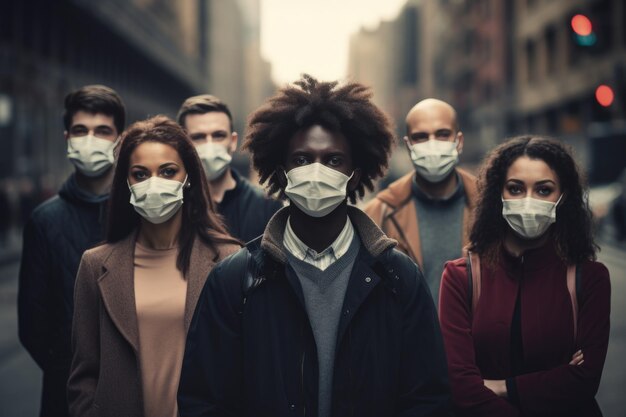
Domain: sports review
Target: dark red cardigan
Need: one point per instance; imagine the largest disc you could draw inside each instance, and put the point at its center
(480, 348)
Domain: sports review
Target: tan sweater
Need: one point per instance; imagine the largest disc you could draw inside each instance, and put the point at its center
(160, 292)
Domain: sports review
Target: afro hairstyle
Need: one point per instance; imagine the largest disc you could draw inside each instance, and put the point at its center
(345, 109)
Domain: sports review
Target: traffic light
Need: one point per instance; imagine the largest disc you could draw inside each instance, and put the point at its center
(605, 95)
(591, 27)
(583, 30)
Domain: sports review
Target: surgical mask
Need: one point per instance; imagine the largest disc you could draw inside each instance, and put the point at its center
(215, 159)
(316, 189)
(92, 156)
(157, 199)
(529, 217)
(434, 159)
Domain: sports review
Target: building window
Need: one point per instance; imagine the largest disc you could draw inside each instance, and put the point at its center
(531, 61)
(551, 50)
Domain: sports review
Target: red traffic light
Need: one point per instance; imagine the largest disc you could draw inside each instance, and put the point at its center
(582, 25)
(605, 95)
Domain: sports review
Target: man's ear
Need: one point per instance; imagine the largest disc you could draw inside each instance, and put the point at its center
(232, 147)
(459, 146)
(355, 180)
(66, 134)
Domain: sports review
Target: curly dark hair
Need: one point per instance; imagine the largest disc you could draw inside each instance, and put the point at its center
(572, 232)
(345, 109)
(198, 219)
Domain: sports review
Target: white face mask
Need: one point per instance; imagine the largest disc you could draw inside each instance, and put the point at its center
(316, 189)
(157, 199)
(434, 159)
(529, 217)
(92, 156)
(215, 159)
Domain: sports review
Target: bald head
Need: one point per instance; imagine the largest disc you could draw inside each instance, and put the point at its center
(432, 112)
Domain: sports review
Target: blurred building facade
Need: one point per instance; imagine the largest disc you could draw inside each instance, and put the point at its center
(154, 53)
(398, 59)
(508, 67)
(557, 74)
(476, 62)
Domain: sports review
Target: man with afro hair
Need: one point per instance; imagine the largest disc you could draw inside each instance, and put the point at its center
(320, 316)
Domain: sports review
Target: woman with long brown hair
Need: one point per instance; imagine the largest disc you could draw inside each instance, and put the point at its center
(136, 293)
(525, 317)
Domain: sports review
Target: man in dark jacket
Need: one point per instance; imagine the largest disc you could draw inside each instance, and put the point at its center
(320, 316)
(245, 208)
(60, 230)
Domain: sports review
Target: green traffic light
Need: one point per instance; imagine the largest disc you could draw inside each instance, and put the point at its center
(586, 40)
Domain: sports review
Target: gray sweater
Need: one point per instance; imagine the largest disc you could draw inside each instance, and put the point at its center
(441, 232)
(324, 293)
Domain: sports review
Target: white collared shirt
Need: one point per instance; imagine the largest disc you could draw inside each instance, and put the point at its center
(325, 258)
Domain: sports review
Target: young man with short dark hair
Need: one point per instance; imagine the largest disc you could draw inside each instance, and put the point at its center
(320, 316)
(60, 230)
(245, 208)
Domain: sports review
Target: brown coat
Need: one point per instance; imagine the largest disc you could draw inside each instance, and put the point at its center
(105, 377)
(393, 210)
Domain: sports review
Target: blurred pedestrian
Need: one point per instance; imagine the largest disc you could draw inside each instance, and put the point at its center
(526, 317)
(618, 209)
(245, 208)
(60, 230)
(429, 210)
(163, 239)
(320, 316)
(28, 199)
(6, 214)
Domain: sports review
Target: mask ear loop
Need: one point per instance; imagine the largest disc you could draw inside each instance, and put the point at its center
(558, 201)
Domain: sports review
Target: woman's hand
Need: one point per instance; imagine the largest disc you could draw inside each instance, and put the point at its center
(577, 358)
(498, 386)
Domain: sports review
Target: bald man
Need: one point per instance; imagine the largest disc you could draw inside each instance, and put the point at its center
(428, 211)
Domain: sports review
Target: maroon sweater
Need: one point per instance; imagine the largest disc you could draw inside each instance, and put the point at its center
(480, 348)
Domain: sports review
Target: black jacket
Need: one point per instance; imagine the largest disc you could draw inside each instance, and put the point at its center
(246, 209)
(251, 352)
(55, 237)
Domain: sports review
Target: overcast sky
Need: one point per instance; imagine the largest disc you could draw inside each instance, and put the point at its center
(312, 35)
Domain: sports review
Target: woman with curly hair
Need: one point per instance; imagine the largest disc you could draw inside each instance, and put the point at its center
(320, 316)
(136, 293)
(525, 317)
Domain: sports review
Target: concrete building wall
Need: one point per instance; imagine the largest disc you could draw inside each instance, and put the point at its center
(133, 47)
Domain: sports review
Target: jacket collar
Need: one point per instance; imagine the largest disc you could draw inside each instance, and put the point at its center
(117, 284)
(400, 191)
(234, 193)
(532, 259)
(73, 193)
(372, 238)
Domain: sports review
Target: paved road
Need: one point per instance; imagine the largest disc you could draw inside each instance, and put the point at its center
(611, 394)
(20, 379)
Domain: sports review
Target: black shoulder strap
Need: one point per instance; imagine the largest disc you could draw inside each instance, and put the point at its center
(250, 276)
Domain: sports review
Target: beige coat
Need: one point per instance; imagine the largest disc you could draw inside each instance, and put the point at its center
(105, 377)
(393, 210)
